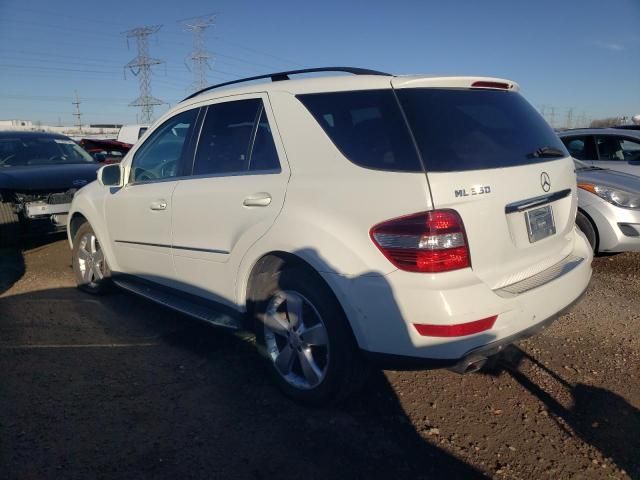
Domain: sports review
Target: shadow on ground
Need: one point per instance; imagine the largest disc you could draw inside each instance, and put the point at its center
(598, 416)
(12, 265)
(118, 387)
(11, 268)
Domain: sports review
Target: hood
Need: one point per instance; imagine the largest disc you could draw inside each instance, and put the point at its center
(610, 178)
(47, 177)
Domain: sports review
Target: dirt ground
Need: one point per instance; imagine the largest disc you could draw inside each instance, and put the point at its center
(117, 387)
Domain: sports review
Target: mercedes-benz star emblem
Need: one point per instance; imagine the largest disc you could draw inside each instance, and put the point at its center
(545, 181)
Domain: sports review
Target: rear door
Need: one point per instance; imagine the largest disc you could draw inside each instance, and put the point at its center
(233, 196)
(482, 152)
(618, 153)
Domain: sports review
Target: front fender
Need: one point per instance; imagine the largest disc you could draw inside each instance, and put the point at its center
(89, 202)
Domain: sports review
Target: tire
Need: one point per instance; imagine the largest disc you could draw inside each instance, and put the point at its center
(589, 230)
(322, 335)
(9, 226)
(90, 268)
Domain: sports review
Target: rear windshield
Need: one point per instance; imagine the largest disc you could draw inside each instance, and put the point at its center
(475, 129)
(455, 129)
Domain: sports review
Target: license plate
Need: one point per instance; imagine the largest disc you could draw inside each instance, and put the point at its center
(540, 223)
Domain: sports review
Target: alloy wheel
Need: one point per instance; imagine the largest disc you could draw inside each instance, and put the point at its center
(296, 339)
(90, 259)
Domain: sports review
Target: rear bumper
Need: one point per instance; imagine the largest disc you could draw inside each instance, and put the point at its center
(401, 362)
(383, 309)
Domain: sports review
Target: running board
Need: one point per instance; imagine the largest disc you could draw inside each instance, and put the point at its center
(180, 303)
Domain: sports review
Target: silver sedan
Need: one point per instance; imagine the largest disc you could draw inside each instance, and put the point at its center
(608, 208)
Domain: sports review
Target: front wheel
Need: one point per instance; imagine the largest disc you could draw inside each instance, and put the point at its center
(89, 265)
(304, 334)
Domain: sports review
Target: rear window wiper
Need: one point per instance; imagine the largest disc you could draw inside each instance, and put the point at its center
(547, 152)
(589, 167)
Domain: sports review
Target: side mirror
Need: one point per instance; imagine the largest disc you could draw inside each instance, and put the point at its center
(110, 176)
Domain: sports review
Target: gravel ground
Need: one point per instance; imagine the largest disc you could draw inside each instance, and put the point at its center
(117, 387)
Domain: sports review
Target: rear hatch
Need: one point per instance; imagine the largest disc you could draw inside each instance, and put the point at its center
(491, 157)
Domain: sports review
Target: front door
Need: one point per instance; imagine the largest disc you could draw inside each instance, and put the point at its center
(138, 215)
(231, 200)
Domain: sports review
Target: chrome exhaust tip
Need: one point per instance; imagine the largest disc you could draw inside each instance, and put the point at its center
(469, 365)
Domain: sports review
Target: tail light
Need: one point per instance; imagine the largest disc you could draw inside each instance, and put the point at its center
(487, 84)
(425, 242)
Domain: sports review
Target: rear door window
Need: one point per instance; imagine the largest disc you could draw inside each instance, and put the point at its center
(631, 149)
(367, 127)
(263, 151)
(465, 129)
(235, 138)
(611, 147)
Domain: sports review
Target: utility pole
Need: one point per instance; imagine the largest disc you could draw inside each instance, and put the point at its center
(543, 111)
(552, 117)
(140, 66)
(570, 118)
(199, 56)
(78, 115)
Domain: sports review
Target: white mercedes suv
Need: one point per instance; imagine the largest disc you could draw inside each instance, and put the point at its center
(407, 220)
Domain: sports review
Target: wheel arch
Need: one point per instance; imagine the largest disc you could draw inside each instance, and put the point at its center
(75, 222)
(275, 260)
(593, 225)
(85, 210)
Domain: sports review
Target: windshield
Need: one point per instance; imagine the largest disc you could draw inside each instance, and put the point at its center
(32, 151)
(462, 129)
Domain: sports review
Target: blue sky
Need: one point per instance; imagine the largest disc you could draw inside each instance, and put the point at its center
(580, 54)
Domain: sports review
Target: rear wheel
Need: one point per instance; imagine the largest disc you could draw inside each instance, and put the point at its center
(304, 334)
(89, 265)
(9, 226)
(586, 227)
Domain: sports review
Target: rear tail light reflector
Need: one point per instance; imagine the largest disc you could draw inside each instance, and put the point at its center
(456, 330)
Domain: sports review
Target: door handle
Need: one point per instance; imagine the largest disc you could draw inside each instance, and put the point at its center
(158, 205)
(261, 199)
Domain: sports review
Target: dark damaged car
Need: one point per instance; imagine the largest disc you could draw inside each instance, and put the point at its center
(39, 174)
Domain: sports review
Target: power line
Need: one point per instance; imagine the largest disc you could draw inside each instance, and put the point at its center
(199, 57)
(140, 66)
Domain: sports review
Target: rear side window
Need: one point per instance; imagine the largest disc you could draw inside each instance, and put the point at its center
(235, 138)
(462, 129)
(367, 127)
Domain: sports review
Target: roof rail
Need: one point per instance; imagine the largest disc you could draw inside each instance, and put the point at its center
(279, 76)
